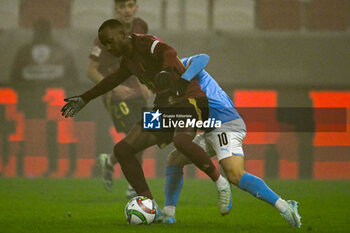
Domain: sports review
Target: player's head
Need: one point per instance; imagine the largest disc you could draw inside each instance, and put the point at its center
(125, 10)
(113, 36)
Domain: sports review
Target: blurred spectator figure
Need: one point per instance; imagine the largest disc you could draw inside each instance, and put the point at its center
(125, 102)
(43, 63)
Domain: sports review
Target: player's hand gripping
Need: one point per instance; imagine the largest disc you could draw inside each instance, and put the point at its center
(163, 82)
(74, 105)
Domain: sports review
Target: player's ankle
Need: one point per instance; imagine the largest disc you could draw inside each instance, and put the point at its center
(146, 193)
(221, 182)
(169, 210)
(281, 205)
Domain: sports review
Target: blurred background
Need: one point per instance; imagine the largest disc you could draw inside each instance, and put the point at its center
(264, 53)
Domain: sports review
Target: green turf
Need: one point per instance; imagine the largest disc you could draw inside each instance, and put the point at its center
(42, 205)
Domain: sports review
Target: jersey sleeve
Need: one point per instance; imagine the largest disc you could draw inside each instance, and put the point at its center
(161, 53)
(165, 53)
(108, 83)
(194, 65)
(168, 58)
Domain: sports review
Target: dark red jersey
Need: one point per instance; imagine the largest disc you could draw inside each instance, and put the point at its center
(149, 56)
(108, 63)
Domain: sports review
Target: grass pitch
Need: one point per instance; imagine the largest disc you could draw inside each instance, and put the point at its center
(82, 205)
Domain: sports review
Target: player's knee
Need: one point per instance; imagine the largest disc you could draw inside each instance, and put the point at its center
(171, 160)
(139, 157)
(123, 150)
(234, 176)
(181, 141)
(175, 158)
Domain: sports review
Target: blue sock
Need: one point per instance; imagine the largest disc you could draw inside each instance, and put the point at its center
(173, 184)
(258, 188)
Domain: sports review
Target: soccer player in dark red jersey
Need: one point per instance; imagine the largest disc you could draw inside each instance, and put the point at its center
(157, 66)
(124, 102)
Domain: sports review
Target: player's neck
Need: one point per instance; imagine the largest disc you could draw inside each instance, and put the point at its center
(128, 26)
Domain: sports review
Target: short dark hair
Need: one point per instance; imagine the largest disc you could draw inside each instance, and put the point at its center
(110, 23)
(121, 1)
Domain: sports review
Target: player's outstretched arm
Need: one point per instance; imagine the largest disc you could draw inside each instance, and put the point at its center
(76, 103)
(195, 65)
(107, 84)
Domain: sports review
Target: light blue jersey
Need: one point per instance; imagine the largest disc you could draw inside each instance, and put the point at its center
(220, 105)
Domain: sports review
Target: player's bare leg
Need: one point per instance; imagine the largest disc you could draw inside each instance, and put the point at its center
(136, 141)
(130, 192)
(106, 163)
(183, 142)
(236, 174)
(196, 154)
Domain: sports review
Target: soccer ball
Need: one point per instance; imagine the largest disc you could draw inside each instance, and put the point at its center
(140, 210)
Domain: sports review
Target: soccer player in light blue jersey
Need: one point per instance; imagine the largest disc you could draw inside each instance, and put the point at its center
(226, 143)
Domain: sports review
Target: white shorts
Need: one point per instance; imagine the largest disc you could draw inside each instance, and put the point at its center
(225, 141)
